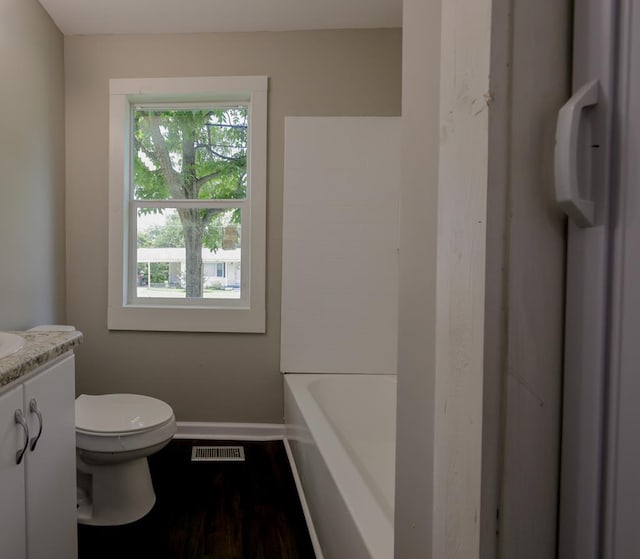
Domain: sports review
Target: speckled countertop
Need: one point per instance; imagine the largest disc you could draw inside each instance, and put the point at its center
(41, 346)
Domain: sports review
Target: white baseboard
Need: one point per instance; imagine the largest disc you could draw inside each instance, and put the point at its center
(230, 431)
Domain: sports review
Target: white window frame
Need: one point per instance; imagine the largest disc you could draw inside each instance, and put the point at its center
(125, 310)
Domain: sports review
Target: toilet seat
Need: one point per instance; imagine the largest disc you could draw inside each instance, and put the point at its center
(120, 414)
(115, 434)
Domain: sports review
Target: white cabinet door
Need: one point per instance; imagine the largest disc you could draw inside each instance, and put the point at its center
(50, 466)
(12, 506)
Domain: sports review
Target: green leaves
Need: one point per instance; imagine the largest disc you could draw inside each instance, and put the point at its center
(190, 154)
(168, 235)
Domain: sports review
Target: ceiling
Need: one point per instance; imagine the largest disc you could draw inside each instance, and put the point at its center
(89, 17)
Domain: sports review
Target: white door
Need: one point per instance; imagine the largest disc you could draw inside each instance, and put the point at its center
(622, 505)
(12, 512)
(583, 173)
(50, 465)
(600, 491)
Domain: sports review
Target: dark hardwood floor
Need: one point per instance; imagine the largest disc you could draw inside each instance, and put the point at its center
(211, 510)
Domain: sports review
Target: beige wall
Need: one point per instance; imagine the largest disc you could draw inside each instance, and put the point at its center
(205, 377)
(31, 167)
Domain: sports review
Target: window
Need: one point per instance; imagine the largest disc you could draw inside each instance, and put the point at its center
(219, 270)
(187, 182)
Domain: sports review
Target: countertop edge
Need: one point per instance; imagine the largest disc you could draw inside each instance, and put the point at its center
(41, 346)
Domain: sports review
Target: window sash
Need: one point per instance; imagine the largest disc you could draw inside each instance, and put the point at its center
(186, 105)
(131, 267)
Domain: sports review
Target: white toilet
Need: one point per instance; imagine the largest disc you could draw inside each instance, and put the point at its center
(114, 435)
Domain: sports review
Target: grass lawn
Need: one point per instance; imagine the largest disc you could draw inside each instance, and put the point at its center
(172, 292)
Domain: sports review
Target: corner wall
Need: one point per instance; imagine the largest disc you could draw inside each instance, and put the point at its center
(446, 101)
(32, 241)
(205, 377)
(417, 280)
(465, 104)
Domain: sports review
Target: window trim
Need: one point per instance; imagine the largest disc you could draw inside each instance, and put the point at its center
(123, 315)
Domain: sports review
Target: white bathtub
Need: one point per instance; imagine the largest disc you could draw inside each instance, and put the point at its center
(341, 429)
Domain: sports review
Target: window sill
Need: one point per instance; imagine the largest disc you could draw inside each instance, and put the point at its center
(197, 319)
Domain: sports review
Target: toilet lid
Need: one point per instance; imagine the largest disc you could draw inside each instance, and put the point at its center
(120, 413)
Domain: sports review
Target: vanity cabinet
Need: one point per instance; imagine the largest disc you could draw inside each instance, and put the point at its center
(12, 497)
(38, 495)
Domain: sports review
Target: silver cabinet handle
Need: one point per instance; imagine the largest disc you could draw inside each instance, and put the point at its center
(19, 418)
(33, 408)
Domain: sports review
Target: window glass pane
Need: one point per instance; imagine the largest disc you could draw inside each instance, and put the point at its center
(192, 154)
(189, 252)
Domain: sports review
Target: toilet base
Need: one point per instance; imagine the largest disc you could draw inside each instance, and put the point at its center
(114, 494)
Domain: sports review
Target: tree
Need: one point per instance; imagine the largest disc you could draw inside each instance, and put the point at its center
(169, 235)
(185, 154)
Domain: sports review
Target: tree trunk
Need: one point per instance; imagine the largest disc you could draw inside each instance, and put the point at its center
(193, 236)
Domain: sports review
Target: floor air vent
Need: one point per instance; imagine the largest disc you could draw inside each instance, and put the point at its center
(217, 454)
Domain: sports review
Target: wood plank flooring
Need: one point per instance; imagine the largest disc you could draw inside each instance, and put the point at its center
(211, 510)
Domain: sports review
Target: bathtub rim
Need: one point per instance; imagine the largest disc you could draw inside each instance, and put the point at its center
(374, 527)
